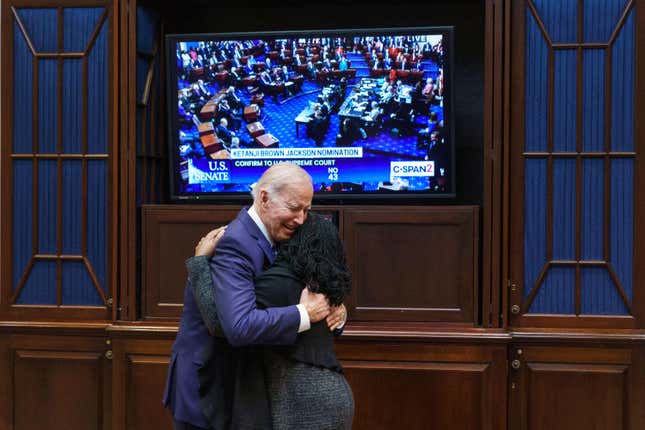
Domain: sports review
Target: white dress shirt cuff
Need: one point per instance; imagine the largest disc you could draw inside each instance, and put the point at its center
(343, 323)
(305, 324)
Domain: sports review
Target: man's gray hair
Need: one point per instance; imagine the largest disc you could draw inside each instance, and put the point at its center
(278, 177)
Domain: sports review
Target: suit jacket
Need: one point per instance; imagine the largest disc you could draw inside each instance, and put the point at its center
(241, 255)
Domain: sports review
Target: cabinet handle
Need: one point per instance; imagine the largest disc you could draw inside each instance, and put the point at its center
(109, 354)
(515, 309)
(516, 364)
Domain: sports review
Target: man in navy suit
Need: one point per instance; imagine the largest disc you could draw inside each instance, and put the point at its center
(281, 200)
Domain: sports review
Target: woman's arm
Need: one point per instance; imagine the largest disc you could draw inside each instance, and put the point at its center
(200, 281)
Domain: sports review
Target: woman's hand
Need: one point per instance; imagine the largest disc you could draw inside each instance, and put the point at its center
(337, 317)
(207, 244)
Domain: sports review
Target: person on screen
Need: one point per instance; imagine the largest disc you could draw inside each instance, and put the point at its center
(265, 81)
(235, 77)
(300, 386)
(281, 200)
(372, 118)
(224, 111)
(228, 137)
(349, 132)
(318, 125)
(327, 63)
(233, 100)
(342, 64)
(428, 90)
(312, 71)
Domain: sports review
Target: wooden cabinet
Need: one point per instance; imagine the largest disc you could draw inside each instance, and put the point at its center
(409, 264)
(54, 377)
(426, 384)
(139, 369)
(415, 264)
(576, 386)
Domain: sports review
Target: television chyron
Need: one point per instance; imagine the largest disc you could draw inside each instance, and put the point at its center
(368, 113)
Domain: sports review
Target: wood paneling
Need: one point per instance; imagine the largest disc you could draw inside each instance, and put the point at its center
(146, 379)
(409, 263)
(170, 234)
(381, 389)
(421, 386)
(42, 384)
(140, 367)
(559, 387)
(54, 381)
(413, 264)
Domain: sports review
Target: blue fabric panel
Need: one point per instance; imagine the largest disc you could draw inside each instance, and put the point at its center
(622, 88)
(22, 94)
(47, 106)
(142, 72)
(598, 294)
(622, 221)
(564, 102)
(41, 26)
(560, 19)
(77, 286)
(72, 206)
(158, 179)
(22, 217)
(97, 106)
(97, 218)
(79, 24)
(600, 18)
(593, 195)
(146, 28)
(564, 209)
(534, 220)
(536, 123)
(593, 100)
(40, 288)
(72, 106)
(47, 214)
(557, 293)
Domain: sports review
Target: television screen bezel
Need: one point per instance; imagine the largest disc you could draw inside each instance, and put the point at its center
(400, 197)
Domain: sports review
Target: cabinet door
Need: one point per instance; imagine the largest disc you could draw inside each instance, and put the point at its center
(555, 387)
(575, 212)
(140, 366)
(419, 386)
(58, 193)
(413, 264)
(54, 381)
(170, 234)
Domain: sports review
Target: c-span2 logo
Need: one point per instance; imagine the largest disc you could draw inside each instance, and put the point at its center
(411, 168)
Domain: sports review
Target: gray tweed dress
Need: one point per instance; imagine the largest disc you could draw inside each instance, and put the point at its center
(307, 389)
(303, 396)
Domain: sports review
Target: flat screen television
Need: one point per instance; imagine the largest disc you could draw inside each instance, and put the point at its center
(367, 112)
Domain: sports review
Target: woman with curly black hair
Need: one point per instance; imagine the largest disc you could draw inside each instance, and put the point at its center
(303, 383)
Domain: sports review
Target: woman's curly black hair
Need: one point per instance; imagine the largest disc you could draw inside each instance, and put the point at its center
(315, 254)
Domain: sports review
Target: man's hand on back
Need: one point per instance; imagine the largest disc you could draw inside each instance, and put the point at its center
(316, 304)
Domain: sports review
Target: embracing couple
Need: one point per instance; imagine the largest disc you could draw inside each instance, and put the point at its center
(263, 303)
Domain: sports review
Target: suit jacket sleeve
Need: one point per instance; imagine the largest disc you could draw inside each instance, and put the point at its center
(242, 322)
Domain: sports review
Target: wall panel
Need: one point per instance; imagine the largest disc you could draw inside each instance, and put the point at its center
(562, 386)
(421, 385)
(54, 376)
(413, 264)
